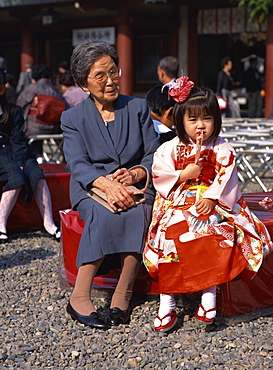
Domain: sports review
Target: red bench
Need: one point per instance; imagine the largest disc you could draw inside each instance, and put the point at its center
(234, 297)
(27, 217)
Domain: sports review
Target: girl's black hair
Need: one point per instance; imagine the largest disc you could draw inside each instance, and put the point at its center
(201, 101)
(3, 99)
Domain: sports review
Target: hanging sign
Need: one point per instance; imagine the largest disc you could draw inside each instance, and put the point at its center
(106, 34)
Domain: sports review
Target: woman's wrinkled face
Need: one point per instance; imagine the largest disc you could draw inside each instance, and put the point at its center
(103, 81)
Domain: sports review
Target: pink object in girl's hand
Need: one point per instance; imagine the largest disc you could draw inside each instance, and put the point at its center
(199, 141)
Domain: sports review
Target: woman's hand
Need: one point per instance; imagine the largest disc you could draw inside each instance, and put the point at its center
(205, 206)
(128, 177)
(117, 194)
(192, 171)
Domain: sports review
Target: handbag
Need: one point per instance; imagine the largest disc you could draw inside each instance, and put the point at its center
(47, 109)
(138, 194)
(223, 104)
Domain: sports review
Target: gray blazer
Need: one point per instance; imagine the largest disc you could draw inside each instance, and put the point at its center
(89, 150)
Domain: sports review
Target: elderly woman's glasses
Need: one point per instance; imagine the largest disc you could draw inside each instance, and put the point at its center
(103, 77)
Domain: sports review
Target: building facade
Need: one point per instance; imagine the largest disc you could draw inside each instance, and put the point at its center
(200, 33)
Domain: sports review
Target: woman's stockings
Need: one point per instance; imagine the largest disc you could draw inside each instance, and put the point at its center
(80, 298)
(130, 263)
(7, 202)
(43, 200)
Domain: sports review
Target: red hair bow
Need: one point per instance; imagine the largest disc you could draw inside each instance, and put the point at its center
(180, 89)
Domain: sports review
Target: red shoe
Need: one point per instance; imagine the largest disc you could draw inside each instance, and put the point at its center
(203, 318)
(170, 324)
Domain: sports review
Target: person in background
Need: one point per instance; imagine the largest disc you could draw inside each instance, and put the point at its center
(3, 63)
(27, 99)
(72, 94)
(168, 69)
(225, 84)
(161, 106)
(63, 67)
(253, 81)
(202, 233)
(10, 89)
(19, 170)
(25, 77)
(107, 133)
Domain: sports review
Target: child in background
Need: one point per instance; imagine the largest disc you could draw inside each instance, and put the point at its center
(161, 106)
(19, 171)
(202, 233)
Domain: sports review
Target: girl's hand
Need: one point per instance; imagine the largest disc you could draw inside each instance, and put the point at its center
(205, 206)
(192, 171)
(117, 194)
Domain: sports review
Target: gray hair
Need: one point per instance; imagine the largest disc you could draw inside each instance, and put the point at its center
(170, 65)
(85, 55)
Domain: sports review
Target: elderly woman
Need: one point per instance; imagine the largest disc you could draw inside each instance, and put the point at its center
(108, 133)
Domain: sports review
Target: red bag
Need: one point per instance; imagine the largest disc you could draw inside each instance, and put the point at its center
(223, 104)
(47, 109)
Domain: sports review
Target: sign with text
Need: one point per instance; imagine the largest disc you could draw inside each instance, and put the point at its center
(106, 34)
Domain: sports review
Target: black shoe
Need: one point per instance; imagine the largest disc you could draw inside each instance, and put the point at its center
(57, 234)
(115, 316)
(93, 320)
(4, 240)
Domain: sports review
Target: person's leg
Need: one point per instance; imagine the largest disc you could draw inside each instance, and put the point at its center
(207, 308)
(130, 263)
(259, 108)
(167, 305)
(233, 107)
(43, 200)
(252, 106)
(38, 149)
(80, 298)
(7, 202)
(80, 307)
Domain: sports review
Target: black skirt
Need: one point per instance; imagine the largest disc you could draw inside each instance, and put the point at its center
(11, 175)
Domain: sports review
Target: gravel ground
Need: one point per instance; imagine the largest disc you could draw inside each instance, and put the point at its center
(36, 332)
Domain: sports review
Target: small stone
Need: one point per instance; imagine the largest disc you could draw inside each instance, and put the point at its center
(177, 345)
(42, 336)
(132, 362)
(74, 354)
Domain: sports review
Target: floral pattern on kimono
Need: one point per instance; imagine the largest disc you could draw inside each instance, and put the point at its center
(185, 251)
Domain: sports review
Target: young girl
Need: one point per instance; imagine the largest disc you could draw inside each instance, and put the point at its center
(202, 233)
(19, 171)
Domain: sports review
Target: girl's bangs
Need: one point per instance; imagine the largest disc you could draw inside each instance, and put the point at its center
(198, 106)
